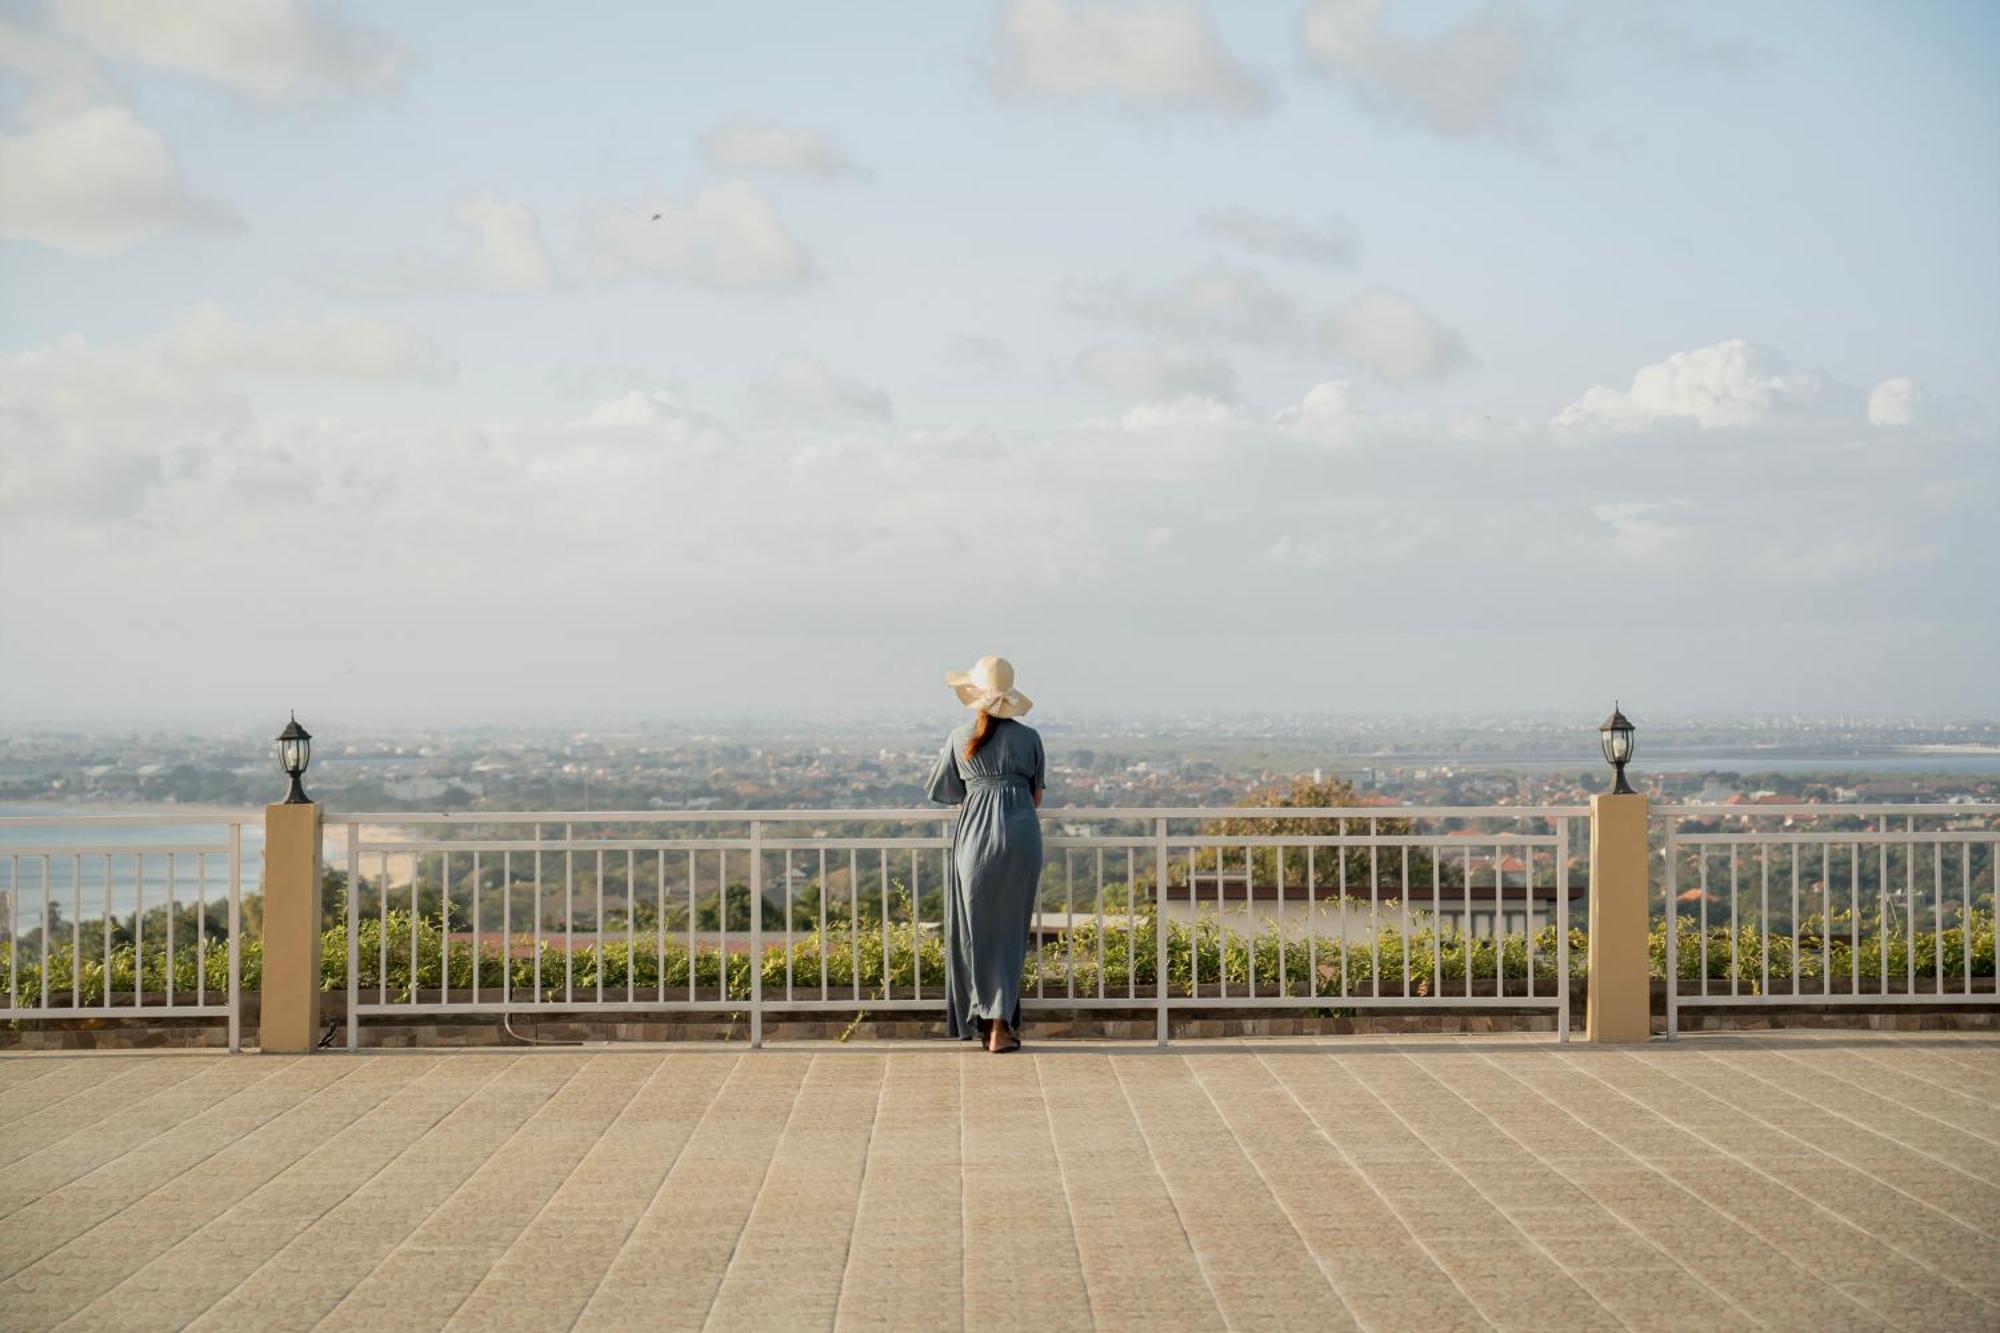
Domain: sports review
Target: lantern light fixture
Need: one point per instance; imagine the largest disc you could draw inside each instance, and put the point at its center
(1615, 732)
(294, 753)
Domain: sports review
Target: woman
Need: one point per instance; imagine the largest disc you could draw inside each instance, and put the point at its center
(993, 766)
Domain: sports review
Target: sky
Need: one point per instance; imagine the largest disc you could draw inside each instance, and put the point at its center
(464, 361)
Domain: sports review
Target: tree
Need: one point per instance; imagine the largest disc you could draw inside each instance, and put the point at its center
(1323, 866)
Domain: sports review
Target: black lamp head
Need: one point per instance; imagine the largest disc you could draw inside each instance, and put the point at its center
(294, 753)
(1615, 734)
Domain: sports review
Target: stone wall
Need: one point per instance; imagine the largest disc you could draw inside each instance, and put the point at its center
(1135, 1024)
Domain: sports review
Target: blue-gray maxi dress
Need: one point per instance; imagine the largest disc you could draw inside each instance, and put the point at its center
(996, 864)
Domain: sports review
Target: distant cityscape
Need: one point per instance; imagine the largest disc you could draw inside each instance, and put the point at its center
(779, 763)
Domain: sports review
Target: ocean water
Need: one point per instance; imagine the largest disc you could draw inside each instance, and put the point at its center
(1745, 760)
(85, 869)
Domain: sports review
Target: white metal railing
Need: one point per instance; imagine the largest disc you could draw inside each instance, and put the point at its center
(762, 912)
(115, 878)
(1834, 904)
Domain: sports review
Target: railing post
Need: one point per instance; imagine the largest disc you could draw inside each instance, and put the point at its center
(1673, 918)
(1160, 928)
(353, 936)
(757, 933)
(289, 1006)
(1562, 928)
(235, 935)
(1620, 1006)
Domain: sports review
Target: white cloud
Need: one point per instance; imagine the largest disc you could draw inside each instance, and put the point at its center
(1734, 383)
(656, 420)
(633, 408)
(743, 143)
(1218, 301)
(1197, 411)
(61, 75)
(78, 171)
(261, 48)
(1895, 402)
(508, 256)
(1326, 415)
(1331, 413)
(1333, 400)
(1140, 56)
(728, 238)
(1334, 241)
(1388, 333)
(188, 365)
(94, 183)
(148, 479)
(102, 429)
(1382, 330)
(1153, 374)
(512, 257)
(1486, 73)
(72, 386)
(802, 389)
(206, 341)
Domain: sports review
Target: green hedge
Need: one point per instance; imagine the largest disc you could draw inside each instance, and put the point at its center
(1835, 955)
(1207, 948)
(1129, 959)
(213, 964)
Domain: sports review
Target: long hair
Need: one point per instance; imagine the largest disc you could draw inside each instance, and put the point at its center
(981, 729)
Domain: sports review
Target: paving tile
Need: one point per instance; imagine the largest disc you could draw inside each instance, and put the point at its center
(213, 1259)
(906, 1254)
(33, 1082)
(667, 1272)
(802, 1224)
(1015, 1210)
(1823, 1252)
(103, 1250)
(548, 1273)
(1783, 1181)
(299, 1285)
(1255, 1244)
(82, 1111)
(422, 1283)
(76, 1157)
(1138, 1263)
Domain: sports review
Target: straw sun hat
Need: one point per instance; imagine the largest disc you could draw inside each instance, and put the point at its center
(989, 688)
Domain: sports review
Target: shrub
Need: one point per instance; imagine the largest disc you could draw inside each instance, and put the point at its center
(1826, 952)
(395, 953)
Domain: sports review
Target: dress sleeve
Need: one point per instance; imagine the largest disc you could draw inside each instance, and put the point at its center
(945, 786)
(1039, 779)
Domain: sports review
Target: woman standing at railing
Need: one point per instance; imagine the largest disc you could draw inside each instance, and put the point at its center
(993, 767)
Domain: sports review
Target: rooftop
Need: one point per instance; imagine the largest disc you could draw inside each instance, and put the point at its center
(1795, 1180)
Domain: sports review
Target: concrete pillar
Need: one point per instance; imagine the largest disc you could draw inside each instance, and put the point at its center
(1621, 982)
(290, 1010)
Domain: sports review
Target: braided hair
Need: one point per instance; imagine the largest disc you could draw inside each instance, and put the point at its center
(981, 729)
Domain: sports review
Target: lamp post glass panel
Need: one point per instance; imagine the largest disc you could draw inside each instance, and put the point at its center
(294, 753)
(1616, 734)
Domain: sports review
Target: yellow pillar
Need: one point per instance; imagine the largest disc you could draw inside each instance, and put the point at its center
(290, 1021)
(1621, 982)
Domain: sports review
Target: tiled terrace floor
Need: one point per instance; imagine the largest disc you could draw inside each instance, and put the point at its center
(1823, 1181)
